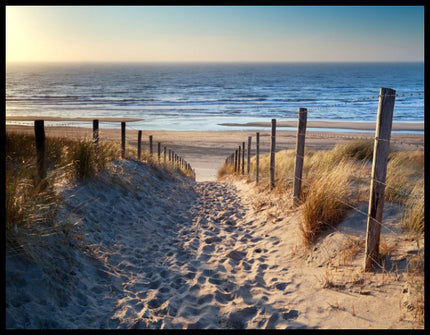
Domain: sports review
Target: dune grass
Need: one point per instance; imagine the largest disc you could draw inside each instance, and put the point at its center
(326, 200)
(336, 180)
(31, 211)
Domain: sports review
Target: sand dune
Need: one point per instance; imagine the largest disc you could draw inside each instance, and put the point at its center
(155, 250)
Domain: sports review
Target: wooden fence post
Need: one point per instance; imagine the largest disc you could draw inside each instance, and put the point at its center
(159, 152)
(235, 161)
(257, 163)
(39, 134)
(164, 153)
(272, 154)
(379, 173)
(122, 140)
(96, 134)
(139, 144)
(249, 155)
(243, 157)
(150, 146)
(239, 153)
(300, 152)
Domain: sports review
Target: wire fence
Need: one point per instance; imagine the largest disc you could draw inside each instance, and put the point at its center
(75, 130)
(236, 162)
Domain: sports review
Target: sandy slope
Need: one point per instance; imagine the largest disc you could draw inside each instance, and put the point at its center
(151, 250)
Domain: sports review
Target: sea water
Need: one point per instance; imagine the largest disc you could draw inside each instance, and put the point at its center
(204, 96)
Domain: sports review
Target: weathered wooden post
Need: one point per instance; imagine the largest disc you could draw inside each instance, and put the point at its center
(164, 153)
(150, 146)
(139, 144)
(272, 154)
(379, 172)
(39, 134)
(122, 140)
(243, 157)
(249, 155)
(239, 154)
(235, 161)
(257, 158)
(96, 134)
(170, 155)
(300, 152)
(159, 152)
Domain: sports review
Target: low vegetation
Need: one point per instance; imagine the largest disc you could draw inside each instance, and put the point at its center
(32, 206)
(335, 180)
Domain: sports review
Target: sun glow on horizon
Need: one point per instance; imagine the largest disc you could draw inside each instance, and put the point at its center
(213, 34)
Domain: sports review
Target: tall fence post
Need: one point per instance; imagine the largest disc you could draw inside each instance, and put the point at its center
(257, 158)
(235, 161)
(164, 153)
(272, 154)
(122, 140)
(139, 144)
(249, 155)
(243, 157)
(39, 134)
(159, 152)
(300, 152)
(379, 174)
(150, 145)
(239, 153)
(96, 134)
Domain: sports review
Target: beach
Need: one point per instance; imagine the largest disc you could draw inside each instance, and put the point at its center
(157, 250)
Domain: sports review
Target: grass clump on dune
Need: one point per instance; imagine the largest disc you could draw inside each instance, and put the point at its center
(326, 201)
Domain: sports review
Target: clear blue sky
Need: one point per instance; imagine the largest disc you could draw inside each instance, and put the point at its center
(215, 34)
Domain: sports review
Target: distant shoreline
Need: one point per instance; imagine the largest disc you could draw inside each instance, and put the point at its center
(360, 125)
(330, 125)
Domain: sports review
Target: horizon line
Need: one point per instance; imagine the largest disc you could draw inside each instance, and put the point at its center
(216, 62)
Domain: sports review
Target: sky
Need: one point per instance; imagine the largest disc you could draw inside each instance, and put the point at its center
(214, 33)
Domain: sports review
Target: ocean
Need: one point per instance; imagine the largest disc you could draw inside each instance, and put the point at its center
(204, 96)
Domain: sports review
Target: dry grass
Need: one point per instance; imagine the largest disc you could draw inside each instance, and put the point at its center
(31, 210)
(350, 249)
(333, 182)
(404, 171)
(326, 201)
(225, 170)
(336, 179)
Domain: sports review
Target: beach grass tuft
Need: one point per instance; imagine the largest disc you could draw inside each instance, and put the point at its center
(326, 200)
